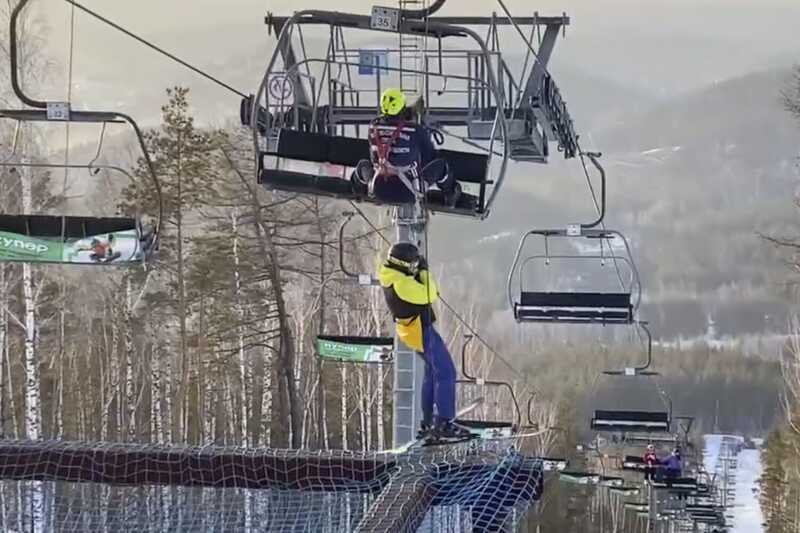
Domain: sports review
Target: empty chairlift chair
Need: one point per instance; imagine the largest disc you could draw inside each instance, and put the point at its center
(71, 239)
(626, 421)
(85, 240)
(576, 306)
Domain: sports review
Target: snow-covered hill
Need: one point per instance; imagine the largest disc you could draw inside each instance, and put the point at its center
(737, 469)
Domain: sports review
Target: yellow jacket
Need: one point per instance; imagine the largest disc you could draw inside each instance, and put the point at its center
(409, 298)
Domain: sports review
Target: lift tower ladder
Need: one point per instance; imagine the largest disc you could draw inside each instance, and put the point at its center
(412, 47)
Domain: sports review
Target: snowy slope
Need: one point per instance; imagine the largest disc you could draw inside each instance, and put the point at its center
(747, 511)
(742, 474)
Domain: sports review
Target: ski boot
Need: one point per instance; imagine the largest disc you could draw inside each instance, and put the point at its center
(449, 433)
(425, 430)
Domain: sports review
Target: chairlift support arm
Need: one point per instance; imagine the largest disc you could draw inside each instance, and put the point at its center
(475, 380)
(639, 370)
(593, 157)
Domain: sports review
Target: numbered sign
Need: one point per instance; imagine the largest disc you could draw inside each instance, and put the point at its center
(57, 110)
(385, 18)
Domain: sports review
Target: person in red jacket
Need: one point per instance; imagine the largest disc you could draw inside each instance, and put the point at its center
(650, 462)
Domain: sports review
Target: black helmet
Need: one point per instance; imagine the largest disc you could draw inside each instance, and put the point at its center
(404, 255)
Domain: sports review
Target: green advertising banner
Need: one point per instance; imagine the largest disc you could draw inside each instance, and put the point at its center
(354, 352)
(110, 248)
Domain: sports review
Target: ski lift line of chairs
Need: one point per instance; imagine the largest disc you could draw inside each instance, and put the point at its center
(574, 307)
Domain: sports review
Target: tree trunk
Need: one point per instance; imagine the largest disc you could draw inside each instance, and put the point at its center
(130, 392)
(266, 399)
(33, 407)
(244, 371)
(3, 342)
(183, 366)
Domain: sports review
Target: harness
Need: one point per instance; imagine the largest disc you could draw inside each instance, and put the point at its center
(383, 167)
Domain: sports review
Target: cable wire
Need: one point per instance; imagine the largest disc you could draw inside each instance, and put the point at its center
(70, 57)
(171, 56)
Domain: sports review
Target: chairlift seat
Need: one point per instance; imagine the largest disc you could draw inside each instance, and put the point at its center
(579, 478)
(49, 226)
(554, 463)
(465, 167)
(681, 484)
(625, 490)
(575, 307)
(63, 239)
(633, 462)
(631, 421)
(487, 428)
(648, 439)
(352, 349)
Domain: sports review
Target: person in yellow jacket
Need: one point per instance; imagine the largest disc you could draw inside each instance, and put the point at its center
(410, 290)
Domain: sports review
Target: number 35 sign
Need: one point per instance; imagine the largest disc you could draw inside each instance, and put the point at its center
(385, 18)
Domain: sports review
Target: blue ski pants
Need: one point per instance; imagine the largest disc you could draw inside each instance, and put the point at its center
(439, 384)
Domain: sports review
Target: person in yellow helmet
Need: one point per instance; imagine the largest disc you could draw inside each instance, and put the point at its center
(402, 156)
(410, 290)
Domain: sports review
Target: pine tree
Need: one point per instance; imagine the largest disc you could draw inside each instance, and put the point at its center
(182, 156)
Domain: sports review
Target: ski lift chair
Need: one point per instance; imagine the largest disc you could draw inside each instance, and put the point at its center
(625, 421)
(347, 152)
(574, 307)
(85, 240)
(74, 240)
(304, 117)
(59, 230)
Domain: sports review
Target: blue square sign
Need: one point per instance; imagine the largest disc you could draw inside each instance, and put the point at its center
(368, 60)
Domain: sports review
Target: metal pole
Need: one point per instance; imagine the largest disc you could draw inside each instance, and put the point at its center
(408, 365)
(652, 508)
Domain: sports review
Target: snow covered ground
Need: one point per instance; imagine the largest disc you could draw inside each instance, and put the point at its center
(745, 507)
(747, 511)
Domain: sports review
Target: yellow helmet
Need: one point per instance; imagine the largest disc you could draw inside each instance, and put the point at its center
(393, 101)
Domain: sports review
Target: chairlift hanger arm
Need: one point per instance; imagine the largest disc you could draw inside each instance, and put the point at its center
(474, 379)
(639, 370)
(593, 157)
(422, 13)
